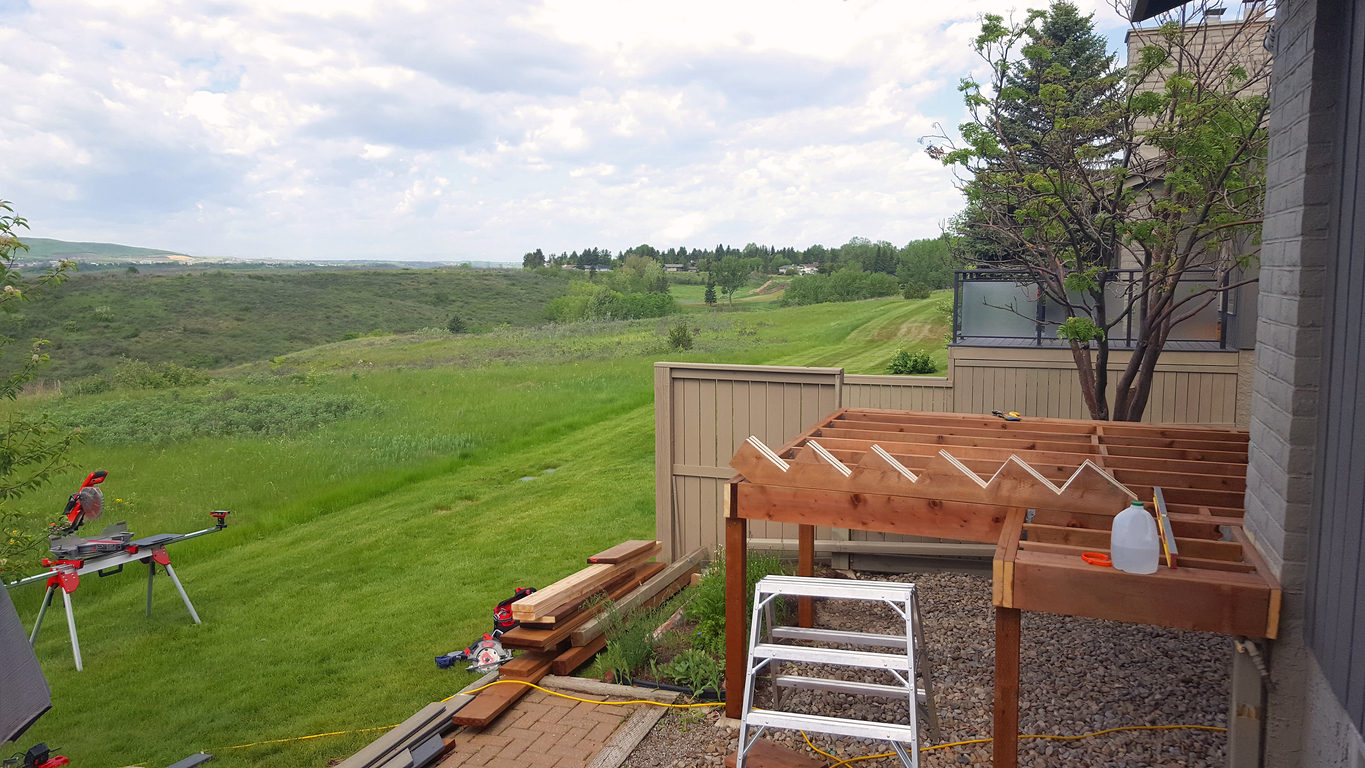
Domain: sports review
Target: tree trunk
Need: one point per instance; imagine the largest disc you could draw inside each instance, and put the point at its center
(1097, 406)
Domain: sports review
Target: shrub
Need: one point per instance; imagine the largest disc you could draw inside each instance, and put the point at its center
(132, 270)
(906, 363)
(142, 375)
(164, 419)
(680, 336)
(916, 290)
(844, 285)
(707, 606)
(456, 324)
(91, 385)
(695, 669)
(71, 326)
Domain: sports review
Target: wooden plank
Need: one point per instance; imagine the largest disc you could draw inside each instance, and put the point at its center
(491, 702)
(1071, 550)
(987, 431)
(643, 593)
(382, 748)
(664, 511)
(1002, 565)
(947, 440)
(1180, 598)
(1005, 726)
(1029, 424)
(874, 512)
(567, 610)
(576, 585)
(569, 661)
(623, 551)
(765, 754)
(805, 566)
(1099, 539)
(736, 572)
(525, 638)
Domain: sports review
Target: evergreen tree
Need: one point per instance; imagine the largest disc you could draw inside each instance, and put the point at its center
(710, 297)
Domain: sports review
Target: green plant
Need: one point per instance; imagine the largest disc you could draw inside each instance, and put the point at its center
(138, 374)
(71, 326)
(456, 324)
(680, 336)
(132, 270)
(916, 290)
(707, 604)
(914, 364)
(695, 669)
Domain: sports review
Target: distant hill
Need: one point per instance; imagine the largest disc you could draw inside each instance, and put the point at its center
(218, 318)
(42, 248)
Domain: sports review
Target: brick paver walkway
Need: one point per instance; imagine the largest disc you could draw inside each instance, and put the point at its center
(540, 731)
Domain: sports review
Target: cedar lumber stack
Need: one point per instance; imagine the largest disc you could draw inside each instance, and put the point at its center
(581, 584)
(530, 638)
(558, 613)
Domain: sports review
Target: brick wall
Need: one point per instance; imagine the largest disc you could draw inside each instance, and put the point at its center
(1304, 130)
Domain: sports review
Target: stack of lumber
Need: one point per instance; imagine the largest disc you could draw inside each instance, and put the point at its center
(562, 626)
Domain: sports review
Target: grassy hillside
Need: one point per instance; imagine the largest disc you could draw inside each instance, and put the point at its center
(44, 248)
(367, 542)
(212, 319)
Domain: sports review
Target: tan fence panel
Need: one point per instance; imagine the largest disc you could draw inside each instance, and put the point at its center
(704, 412)
(702, 415)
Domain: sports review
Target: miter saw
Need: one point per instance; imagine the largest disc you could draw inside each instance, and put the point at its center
(105, 555)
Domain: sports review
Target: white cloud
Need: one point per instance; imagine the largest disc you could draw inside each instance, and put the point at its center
(297, 128)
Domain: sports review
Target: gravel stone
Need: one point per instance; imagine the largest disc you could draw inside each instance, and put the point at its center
(1077, 676)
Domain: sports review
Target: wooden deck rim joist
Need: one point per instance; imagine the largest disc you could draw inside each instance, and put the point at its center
(1041, 490)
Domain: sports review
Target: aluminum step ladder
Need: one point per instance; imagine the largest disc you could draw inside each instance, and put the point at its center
(911, 668)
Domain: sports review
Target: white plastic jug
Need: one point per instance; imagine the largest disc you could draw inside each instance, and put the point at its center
(1133, 543)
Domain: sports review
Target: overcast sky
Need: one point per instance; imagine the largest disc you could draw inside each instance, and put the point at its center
(480, 130)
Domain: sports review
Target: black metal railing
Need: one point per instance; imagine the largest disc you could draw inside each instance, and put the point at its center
(1003, 307)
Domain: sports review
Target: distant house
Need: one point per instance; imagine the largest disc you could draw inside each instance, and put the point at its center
(674, 267)
(808, 269)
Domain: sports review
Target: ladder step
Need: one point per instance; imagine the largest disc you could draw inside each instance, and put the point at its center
(835, 656)
(847, 589)
(839, 636)
(848, 686)
(860, 729)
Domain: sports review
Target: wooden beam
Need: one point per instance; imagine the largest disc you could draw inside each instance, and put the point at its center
(641, 595)
(1179, 443)
(853, 449)
(1017, 430)
(1005, 729)
(871, 512)
(527, 638)
(1180, 598)
(568, 661)
(1002, 566)
(736, 641)
(945, 440)
(805, 566)
(622, 552)
(570, 609)
(578, 585)
(1179, 454)
(491, 702)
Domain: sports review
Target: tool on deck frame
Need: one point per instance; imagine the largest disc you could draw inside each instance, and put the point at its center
(104, 555)
(1011, 416)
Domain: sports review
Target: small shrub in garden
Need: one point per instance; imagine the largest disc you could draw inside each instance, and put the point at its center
(916, 290)
(456, 324)
(914, 364)
(695, 669)
(680, 336)
(707, 606)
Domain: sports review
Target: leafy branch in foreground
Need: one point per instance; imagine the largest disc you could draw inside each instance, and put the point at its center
(33, 448)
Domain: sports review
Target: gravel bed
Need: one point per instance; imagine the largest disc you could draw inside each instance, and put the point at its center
(1076, 676)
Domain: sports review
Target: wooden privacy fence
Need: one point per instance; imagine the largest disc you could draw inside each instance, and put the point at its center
(704, 412)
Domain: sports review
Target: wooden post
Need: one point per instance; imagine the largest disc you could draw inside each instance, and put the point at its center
(1006, 728)
(736, 640)
(805, 566)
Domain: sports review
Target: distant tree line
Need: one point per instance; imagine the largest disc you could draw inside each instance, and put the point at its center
(929, 262)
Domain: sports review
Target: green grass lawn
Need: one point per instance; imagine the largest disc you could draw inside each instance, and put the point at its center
(362, 548)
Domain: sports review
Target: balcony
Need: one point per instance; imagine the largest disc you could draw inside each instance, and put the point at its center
(1004, 308)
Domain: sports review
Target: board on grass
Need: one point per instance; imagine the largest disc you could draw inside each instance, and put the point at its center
(621, 552)
(577, 585)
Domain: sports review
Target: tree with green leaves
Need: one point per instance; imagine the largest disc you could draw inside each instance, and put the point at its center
(33, 448)
(710, 296)
(730, 274)
(1075, 168)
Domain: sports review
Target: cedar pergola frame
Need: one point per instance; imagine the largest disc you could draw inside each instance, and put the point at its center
(1043, 491)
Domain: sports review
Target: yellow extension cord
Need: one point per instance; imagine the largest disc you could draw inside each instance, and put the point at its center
(717, 704)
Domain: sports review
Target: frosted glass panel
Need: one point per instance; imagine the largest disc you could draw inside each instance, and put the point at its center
(1203, 326)
(998, 310)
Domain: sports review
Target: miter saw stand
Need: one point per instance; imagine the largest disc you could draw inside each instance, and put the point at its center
(105, 555)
